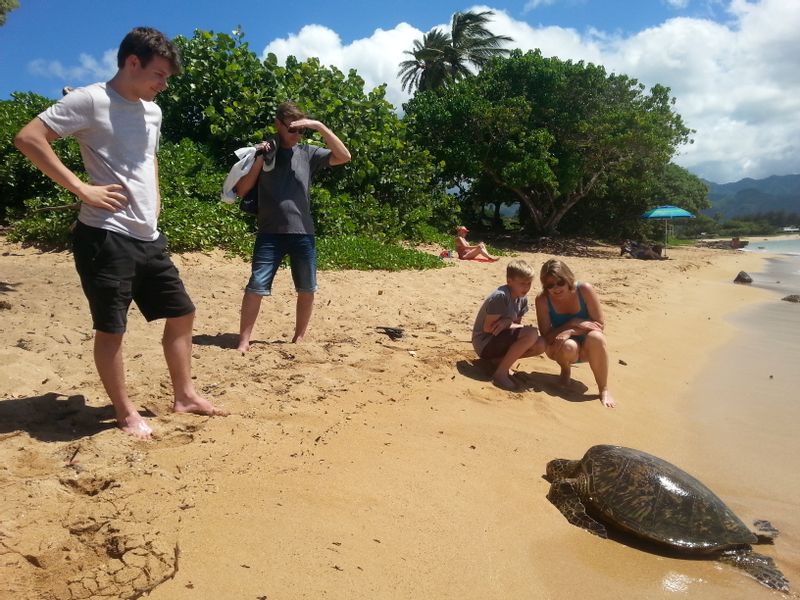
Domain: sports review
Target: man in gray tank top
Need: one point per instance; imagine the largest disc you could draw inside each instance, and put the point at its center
(285, 225)
(119, 253)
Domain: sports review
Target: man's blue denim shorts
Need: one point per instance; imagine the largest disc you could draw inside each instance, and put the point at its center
(268, 253)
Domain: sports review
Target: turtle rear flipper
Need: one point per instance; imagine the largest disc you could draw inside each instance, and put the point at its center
(565, 498)
(760, 567)
(765, 532)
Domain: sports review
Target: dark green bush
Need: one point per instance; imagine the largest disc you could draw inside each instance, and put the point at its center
(20, 180)
(224, 99)
(365, 254)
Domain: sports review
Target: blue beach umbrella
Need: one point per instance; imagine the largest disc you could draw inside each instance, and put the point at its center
(667, 213)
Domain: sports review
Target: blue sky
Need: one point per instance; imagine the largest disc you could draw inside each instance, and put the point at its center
(731, 64)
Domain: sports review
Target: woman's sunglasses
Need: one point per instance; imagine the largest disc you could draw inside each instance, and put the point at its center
(557, 283)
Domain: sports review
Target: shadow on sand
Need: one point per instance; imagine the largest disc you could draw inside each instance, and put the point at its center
(481, 369)
(228, 341)
(54, 417)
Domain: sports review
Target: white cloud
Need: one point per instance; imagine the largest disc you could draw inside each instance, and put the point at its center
(677, 3)
(376, 58)
(534, 4)
(735, 78)
(736, 82)
(88, 69)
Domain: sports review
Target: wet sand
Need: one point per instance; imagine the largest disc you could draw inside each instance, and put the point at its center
(355, 466)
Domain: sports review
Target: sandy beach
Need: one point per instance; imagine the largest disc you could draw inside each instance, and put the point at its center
(357, 467)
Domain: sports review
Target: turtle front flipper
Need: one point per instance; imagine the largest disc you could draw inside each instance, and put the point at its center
(565, 498)
(758, 566)
(765, 532)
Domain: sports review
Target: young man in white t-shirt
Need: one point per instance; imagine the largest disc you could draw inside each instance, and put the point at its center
(119, 253)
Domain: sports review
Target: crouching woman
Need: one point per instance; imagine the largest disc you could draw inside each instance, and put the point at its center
(571, 322)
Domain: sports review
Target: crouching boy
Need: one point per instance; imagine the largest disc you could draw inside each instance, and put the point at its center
(498, 334)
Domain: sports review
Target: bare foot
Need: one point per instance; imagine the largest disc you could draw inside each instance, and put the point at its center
(243, 346)
(607, 399)
(198, 406)
(136, 426)
(504, 382)
(566, 376)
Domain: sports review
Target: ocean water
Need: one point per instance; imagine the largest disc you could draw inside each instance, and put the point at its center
(782, 273)
(786, 246)
(745, 410)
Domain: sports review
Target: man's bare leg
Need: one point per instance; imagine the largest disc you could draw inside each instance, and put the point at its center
(251, 304)
(305, 306)
(111, 368)
(177, 344)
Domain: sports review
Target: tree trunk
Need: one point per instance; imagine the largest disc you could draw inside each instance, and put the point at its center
(497, 223)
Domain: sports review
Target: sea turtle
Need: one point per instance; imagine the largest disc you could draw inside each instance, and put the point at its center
(641, 494)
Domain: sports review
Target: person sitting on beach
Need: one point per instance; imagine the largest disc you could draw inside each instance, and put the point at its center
(498, 334)
(467, 252)
(571, 322)
(119, 253)
(641, 251)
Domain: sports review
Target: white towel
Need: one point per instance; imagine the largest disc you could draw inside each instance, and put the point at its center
(242, 167)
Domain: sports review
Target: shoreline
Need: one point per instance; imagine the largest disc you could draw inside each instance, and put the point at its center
(353, 465)
(743, 411)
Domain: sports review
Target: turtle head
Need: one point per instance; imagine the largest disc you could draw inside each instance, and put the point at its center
(560, 468)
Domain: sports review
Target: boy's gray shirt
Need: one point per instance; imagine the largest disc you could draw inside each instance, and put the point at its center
(499, 302)
(284, 202)
(118, 139)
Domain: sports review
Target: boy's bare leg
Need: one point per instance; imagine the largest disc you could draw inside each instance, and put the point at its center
(251, 304)
(177, 344)
(527, 345)
(305, 306)
(111, 368)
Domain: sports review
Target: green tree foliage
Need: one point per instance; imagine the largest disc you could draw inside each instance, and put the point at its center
(427, 69)
(616, 214)
(226, 98)
(700, 226)
(678, 187)
(19, 179)
(6, 6)
(192, 216)
(548, 133)
(441, 58)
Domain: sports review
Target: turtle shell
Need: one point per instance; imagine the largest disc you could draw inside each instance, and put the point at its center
(657, 501)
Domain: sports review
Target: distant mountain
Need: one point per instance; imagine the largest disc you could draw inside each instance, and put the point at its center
(778, 193)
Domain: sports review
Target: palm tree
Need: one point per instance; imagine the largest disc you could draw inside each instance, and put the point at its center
(441, 58)
(427, 69)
